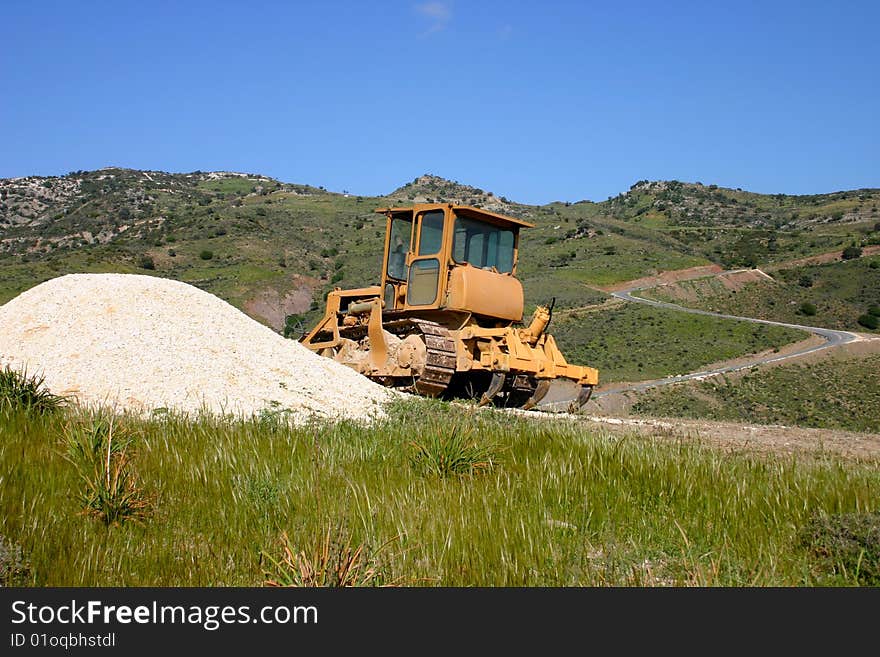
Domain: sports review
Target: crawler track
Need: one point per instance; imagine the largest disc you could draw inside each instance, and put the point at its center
(440, 364)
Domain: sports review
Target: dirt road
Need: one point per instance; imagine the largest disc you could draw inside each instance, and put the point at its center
(728, 435)
(563, 395)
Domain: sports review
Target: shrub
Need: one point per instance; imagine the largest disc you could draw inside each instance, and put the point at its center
(338, 276)
(807, 309)
(846, 544)
(294, 326)
(14, 567)
(206, 255)
(146, 262)
(805, 281)
(869, 321)
(20, 391)
(874, 309)
(851, 252)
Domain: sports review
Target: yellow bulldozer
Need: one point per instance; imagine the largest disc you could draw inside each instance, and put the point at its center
(446, 320)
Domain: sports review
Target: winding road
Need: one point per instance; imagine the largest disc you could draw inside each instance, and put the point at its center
(833, 338)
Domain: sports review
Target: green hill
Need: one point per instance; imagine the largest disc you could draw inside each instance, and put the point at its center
(274, 248)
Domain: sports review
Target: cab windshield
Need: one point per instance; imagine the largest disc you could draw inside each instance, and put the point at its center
(401, 228)
(483, 245)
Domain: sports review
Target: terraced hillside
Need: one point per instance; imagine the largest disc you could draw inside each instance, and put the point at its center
(842, 294)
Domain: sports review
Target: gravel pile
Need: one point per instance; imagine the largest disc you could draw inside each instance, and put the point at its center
(140, 343)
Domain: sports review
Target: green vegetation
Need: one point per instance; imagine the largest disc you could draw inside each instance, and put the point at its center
(269, 236)
(851, 252)
(838, 294)
(849, 544)
(833, 394)
(19, 390)
(330, 561)
(14, 567)
(807, 308)
(249, 502)
(100, 452)
(636, 342)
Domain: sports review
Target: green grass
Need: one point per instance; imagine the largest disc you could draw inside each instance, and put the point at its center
(841, 291)
(563, 505)
(635, 342)
(835, 393)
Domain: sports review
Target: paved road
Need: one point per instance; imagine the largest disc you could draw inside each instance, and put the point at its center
(832, 339)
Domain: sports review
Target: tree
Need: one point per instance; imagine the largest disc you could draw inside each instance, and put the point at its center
(869, 321)
(206, 255)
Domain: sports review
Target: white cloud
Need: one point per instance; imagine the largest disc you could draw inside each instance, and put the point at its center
(439, 13)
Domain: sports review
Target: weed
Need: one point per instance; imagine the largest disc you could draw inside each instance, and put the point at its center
(455, 453)
(101, 454)
(846, 544)
(331, 561)
(18, 390)
(15, 570)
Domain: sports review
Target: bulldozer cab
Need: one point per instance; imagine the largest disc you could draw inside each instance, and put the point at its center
(453, 257)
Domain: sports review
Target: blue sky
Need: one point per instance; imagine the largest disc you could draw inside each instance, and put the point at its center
(534, 101)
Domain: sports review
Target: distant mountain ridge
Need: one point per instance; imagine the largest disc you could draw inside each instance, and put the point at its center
(275, 248)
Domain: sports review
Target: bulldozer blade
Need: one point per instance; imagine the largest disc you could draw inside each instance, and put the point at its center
(582, 398)
(494, 388)
(540, 392)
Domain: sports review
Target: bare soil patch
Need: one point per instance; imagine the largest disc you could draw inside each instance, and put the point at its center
(665, 277)
(272, 306)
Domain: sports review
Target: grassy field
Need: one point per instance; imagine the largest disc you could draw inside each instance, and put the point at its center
(433, 496)
(834, 394)
(839, 292)
(636, 342)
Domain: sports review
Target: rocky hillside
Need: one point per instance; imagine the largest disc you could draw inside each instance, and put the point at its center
(274, 248)
(433, 189)
(698, 205)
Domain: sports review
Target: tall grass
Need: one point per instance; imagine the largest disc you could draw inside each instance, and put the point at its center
(566, 506)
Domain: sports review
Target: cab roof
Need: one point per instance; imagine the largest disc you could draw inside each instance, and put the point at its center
(463, 210)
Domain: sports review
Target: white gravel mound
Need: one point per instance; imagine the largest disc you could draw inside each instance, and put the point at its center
(142, 343)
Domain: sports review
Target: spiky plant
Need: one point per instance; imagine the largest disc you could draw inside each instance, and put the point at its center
(101, 454)
(331, 561)
(452, 453)
(19, 390)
